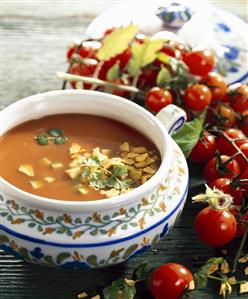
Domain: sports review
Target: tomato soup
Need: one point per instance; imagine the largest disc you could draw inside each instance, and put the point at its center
(76, 157)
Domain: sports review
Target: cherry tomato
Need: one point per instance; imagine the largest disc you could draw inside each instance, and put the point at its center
(225, 147)
(240, 159)
(215, 227)
(226, 115)
(244, 122)
(86, 70)
(212, 171)
(170, 281)
(244, 182)
(224, 184)
(197, 97)
(217, 85)
(139, 38)
(238, 97)
(108, 31)
(158, 98)
(119, 92)
(87, 49)
(180, 47)
(169, 50)
(241, 219)
(147, 78)
(204, 149)
(70, 52)
(200, 62)
(123, 59)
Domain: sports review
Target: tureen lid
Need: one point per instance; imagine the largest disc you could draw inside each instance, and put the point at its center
(197, 23)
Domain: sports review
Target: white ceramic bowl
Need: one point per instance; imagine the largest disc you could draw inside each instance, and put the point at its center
(104, 232)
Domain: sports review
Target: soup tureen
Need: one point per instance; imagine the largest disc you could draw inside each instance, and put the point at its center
(98, 233)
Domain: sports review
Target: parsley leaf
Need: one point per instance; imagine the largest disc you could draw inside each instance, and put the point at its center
(60, 140)
(41, 139)
(55, 132)
(120, 170)
(121, 288)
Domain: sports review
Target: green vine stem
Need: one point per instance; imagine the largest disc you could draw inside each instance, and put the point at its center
(240, 249)
(70, 77)
(232, 142)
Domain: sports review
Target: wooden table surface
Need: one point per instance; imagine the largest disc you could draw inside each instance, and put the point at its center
(34, 39)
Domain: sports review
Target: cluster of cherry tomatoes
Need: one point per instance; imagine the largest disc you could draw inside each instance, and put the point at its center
(223, 145)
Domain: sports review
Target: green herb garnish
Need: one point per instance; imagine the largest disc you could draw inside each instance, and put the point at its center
(60, 140)
(41, 139)
(55, 132)
(54, 135)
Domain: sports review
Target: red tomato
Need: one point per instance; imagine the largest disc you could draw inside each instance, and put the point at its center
(241, 219)
(197, 97)
(244, 182)
(86, 70)
(119, 92)
(215, 227)
(217, 85)
(244, 123)
(204, 149)
(170, 281)
(213, 171)
(158, 98)
(123, 59)
(223, 184)
(238, 97)
(224, 146)
(147, 78)
(180, 47)
(87, 49)
(227, 116)
(200, 62)
(242, 162)
(70, 52)
(139, 38)
(108, 31)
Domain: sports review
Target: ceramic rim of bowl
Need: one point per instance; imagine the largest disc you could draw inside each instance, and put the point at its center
(104, 203)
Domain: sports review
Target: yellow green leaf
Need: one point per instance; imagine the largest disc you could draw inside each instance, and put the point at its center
(116, 42)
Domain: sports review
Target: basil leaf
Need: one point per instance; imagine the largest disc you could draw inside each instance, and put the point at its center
(189, 134)
(41, 139)
(55, 132)
(116, 42)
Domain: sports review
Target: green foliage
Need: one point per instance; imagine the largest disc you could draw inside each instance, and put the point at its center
(189, 134)
(113, 72)
(60, 140)
(41, 139)
(163, 76)
(55, 132)
(121, 288)
(116, 42)
(201, 277)
(142, 55)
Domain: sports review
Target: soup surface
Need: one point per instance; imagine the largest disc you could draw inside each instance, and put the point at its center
(42, 162)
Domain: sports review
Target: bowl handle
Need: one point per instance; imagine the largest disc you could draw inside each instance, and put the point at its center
(172, 117)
